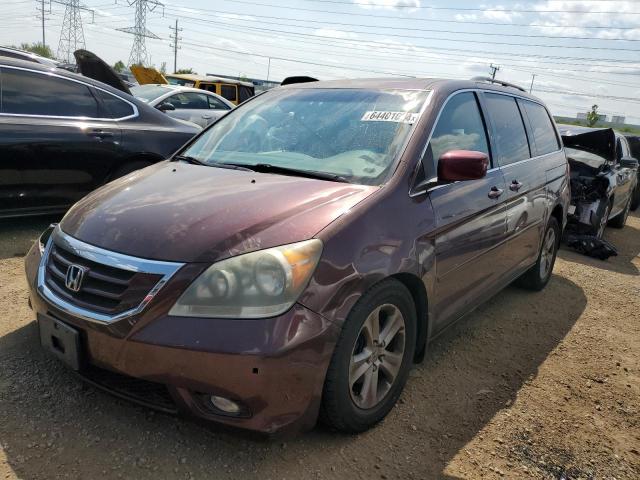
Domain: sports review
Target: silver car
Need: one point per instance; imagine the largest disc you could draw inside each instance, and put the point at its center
(185, 103)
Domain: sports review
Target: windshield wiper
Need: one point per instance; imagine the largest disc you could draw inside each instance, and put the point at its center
(268, 168)
(195, 161)
(188, 159)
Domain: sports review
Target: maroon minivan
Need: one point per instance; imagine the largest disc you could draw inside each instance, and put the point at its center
(294, 259)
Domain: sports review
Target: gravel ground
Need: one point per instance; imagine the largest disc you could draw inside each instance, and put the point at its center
(531, 385)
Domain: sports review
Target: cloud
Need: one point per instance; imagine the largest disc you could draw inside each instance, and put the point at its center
(329, 32)
(589, 16)
(498, 12)
(389, 4)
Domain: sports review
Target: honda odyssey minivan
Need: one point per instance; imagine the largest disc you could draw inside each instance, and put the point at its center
(294, 260)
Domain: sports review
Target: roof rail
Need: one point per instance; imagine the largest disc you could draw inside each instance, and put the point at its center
(499, 82)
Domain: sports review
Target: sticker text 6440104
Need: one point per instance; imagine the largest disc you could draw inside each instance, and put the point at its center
(382, 116)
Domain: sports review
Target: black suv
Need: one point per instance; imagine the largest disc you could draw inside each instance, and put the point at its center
(62, 135)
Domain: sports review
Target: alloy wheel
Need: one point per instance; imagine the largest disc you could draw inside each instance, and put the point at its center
(377, 356)
(547, 253)
(603, 222)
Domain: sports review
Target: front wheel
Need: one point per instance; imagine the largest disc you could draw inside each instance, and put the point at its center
(537, 277)
(621, 219)
(635, 198)
(372, 358)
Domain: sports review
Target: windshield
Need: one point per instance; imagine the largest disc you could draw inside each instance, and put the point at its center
(148, 93)
(180, 81)
(352, 133)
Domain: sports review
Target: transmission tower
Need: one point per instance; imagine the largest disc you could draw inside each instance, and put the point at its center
(71, 35)
(139, 31)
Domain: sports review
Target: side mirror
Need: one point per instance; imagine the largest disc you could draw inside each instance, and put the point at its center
(629, 162)
(166, 107)
(457, 165)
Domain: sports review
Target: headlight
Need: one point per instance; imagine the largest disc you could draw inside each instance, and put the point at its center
(254, 285)
(44, 237)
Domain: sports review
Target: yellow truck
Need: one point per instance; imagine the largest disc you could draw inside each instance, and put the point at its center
(235, 91)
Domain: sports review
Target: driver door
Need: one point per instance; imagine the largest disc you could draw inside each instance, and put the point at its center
(470, 215)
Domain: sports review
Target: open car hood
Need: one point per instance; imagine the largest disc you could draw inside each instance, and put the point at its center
(92, 66)
(601, 142)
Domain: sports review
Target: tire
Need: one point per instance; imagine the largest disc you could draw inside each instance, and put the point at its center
(537, 277)
(603, 220)
(347, 405)
(621, 219)
(635, 198)
(127, 168)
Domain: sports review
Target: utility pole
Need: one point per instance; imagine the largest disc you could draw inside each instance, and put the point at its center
(139, 31)
(42, 13)
(71, 35)
(268, 69)
(494, 69)
(176, 39)
(533, 76)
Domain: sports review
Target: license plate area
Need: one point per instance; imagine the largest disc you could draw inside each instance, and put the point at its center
(61, 340)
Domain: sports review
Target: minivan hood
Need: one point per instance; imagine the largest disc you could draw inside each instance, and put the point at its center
(191, 213)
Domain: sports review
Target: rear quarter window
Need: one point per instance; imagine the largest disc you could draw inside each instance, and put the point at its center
(544, 133)
(114, 107)
(508, 128)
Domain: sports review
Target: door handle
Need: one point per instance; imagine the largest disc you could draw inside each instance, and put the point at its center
(515, 186)
(207, 117)
(495, 192)
(101, 134)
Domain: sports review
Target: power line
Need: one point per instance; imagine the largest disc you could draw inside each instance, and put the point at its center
(468, 9)
(396, 16)
(378, 27)
(416, 19)
(140, 32)
(426, 59)
(386, 44)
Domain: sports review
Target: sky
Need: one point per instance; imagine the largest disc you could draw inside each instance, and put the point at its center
(582, 52)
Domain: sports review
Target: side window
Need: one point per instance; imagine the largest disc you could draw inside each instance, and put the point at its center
(245, 93)
(508, 128)
(209, 87)
(28, 93)
(216, 104)
(544, 134)
(460, 127)
(114, 106)
(622, 148)
(196, 101)
(228, 92)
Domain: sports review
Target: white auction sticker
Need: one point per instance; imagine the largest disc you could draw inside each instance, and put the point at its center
(398, 117)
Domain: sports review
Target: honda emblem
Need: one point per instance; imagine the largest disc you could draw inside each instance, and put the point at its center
(74, 277)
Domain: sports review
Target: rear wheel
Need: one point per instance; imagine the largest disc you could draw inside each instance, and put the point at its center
(372, 358)
(537, 277)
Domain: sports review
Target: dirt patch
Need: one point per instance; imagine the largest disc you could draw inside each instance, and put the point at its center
(531, 385)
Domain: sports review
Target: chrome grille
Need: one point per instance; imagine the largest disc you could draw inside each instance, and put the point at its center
(113, 285)
(104, 289)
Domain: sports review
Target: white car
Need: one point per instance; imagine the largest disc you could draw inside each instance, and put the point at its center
(185, 103)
